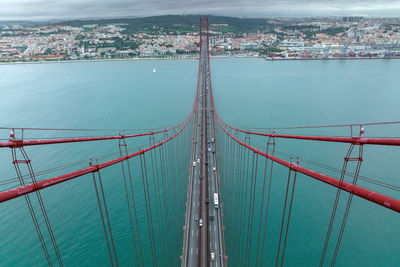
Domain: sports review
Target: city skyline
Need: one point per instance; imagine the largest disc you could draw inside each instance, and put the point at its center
(42, 10)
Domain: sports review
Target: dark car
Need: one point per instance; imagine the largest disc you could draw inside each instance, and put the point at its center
(207, 200)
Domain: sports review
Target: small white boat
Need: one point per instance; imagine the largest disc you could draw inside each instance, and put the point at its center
(154, 70)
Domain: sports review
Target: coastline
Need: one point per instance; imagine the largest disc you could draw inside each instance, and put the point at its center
(107, 59)
(187, 57)
(331, 58)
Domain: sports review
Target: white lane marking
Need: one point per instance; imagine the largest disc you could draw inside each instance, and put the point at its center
(215, 244)
(191, 251)
(197, 232)
(192, 232)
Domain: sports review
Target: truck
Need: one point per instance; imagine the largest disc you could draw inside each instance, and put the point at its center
(216, 200)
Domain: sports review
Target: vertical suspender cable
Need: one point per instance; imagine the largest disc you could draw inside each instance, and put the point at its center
(147, 210)
(42, 207)
(245, 170)
(134, 209)
(107, 217)
(338, 191)
(155, 194)
(349, 200)
(252, 209)
(262, 206)
(123, 143)
(249, 214)
(30, 207)
(162, 232)
(102, 219)
(283, 217)
(288, 220)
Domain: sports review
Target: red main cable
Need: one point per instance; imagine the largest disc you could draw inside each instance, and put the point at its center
(23, 190)
(351, 140)
(385, 201)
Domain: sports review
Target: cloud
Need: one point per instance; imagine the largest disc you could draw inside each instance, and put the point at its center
(72, 9)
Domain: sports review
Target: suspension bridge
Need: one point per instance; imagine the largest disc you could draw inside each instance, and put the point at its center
(206, 187)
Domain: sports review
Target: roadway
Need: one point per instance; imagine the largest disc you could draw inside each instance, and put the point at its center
(201, 241)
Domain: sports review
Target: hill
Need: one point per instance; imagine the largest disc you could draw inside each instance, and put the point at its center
(178, 23)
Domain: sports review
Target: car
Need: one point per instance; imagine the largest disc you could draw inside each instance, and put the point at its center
(196, 217)
(209, 149)
(207, 200)
(194, 164)
(198, 160)
(201, 222)
(201, 176)
(212, 256)
(214, 169)
(211, 217)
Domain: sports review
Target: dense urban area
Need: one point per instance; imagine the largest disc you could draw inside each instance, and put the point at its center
(178, 37)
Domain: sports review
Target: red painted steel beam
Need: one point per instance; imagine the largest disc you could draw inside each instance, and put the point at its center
(385, 201)
(19, 143)
(351, 140)
(20, 191)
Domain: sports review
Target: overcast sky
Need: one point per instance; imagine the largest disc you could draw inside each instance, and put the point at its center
(72, 9)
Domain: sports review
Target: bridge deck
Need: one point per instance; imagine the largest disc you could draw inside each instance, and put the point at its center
(203, 241)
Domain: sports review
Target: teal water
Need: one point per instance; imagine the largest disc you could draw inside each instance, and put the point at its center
(248, 92)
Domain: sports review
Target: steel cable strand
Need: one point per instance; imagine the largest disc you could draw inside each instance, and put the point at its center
(127, 200)
(338, 191)
(245, 221)
(249, 214)
(349, 200)
(31, 210)
(164, 193)
(134, 209)
(107, 217)
(155, 196)
(159, 208)
(147, 210)
(102, 219)
(267, 208)
(283, 217)
(42, 207)
(252, 209)
(288, 220)
(262, 206)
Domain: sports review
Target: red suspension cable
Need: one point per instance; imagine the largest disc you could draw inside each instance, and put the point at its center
(351, 140)
(382, 200)
(20, 191)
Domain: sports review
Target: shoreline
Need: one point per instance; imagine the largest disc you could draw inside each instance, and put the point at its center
(333, 58)
(93, 60)
(105, 59)
(187, 57)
